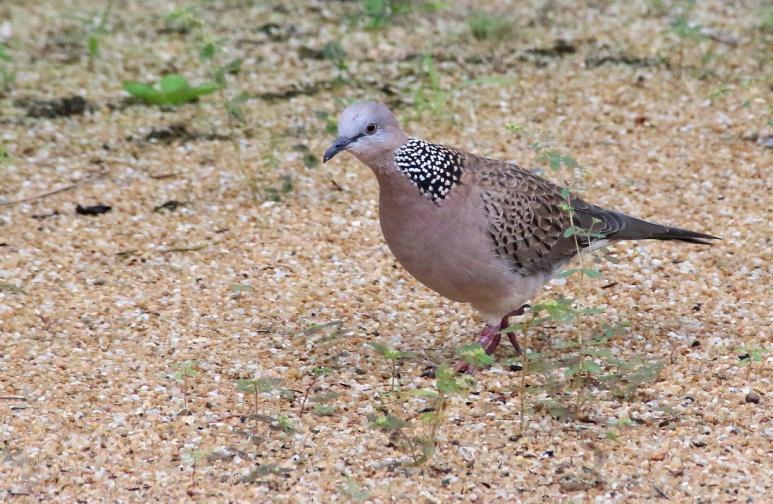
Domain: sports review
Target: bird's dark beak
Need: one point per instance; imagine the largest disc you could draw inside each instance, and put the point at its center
(339, 144)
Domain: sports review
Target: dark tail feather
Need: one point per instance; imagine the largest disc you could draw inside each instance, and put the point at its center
(637, 229)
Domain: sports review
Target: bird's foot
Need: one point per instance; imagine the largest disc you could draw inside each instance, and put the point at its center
(511, 335)
(489, 339)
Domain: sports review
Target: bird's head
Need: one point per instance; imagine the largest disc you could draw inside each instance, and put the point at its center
(368, 130)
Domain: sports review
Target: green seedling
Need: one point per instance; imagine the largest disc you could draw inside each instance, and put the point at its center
(96, 33)
(748, 355)
(284, 423)
(194, 457)
(421, 448)
(316, 373)
(256, 386)
(392, 356)
(185, 371)
(474, 355)
(428, 96)
(7, 70)
(585, 363)
(380, 13)
(486, 26)
(353, 490)
(171, 91)
(183, 20)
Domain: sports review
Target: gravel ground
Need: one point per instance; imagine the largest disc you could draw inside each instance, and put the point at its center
(99, 312)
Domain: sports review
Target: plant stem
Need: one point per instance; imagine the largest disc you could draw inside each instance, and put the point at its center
(185, 391)
(526, 327)
(306, 396)
(100, 29)
(237, 148)
(256, 409)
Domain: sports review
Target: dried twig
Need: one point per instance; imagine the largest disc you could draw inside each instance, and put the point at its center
(55, 191)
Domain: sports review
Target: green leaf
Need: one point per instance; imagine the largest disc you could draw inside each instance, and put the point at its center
(474, 355)
(172, 90)
(324, 410)
(321, 371)
(267, 384)
(591, 273)
(173, 83)
(447, 381)
(142, 91)
(424, 394)
(4, 54)
(186, 370)
(429, 417)
(246, 386)
(386, 422)
(310, 160)
(568, 232)
(379, 348)
(591, 367)
(233, 67)
(325, 397)
(354, 491)
(554, 159)
(93, 45)
(284, 423)
(390, 353)
(207, 51)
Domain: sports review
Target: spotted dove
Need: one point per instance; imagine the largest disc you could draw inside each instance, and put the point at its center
(477, 230)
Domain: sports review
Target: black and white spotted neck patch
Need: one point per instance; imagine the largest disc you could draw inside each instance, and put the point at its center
(432, 168)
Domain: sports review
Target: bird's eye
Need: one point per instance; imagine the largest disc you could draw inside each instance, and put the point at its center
(370, 128)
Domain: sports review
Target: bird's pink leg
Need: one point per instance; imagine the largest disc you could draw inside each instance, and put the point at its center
(511, 335)
(490, 337)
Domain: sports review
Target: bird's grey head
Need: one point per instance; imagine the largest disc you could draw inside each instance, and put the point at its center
(368, 130)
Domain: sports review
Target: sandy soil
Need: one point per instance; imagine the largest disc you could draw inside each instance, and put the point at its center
(98, 313)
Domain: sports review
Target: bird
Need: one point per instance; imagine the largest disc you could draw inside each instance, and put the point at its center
(476, 230)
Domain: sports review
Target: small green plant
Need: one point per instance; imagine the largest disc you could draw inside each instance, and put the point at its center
(474, 355)
(185, 371)
(353, 490)
(586, 364)
(334, 52)
(284, 423)
(407, 435)
(285, 187)
(183, 20)
(5, 157)
(194, 457)
(616, 426)
(321, 403)
(316, 373)
(257, 386)
(171, 91)
(688, 32)
(96, 33)
(486, 26)
(223, 72)
(379, 13)
(7, 70)
(428, 96)
(766, 18)
(748, 355)
(392, 356)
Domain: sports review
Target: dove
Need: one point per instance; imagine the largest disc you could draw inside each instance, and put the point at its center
(476, 230)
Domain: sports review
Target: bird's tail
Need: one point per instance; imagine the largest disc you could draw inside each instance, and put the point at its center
(638, 229)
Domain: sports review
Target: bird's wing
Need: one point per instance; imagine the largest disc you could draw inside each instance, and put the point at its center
(528, 216)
